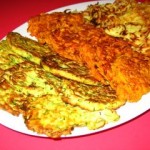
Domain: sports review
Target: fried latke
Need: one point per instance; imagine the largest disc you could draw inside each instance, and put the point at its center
(49, 115)
(38, 96)
(127, 19)
(8, 58)
(132, 73)
(50, 60)
(11, 100)
(70, 36)
(30, 79)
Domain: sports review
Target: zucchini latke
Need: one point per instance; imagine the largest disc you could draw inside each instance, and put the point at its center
(43, 107)
(49, 115)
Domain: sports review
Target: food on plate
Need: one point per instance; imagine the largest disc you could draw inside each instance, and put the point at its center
(66, 33)
(50, 60)
(127, 19)
(11, 100)
(84, 66)
(8, 58)
(88, 97)
(29, 79)
(26, 87)
(26, 76)
(49, 115)
(38, 95)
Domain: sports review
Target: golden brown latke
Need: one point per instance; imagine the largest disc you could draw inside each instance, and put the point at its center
(49, 115)
(39, 95)
(8, 58)
(11, 100)
(127, 19)
(30, 79)
(50, 60)
(70, 36)
(86, 96)
(132, 73)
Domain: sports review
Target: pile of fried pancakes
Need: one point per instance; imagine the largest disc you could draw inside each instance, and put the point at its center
(82, 68)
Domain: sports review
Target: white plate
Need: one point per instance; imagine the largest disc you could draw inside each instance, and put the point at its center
(127, 112)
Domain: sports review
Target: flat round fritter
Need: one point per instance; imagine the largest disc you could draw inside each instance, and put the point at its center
(11, 100)
(27, 89)
(42, 55)
(49, 115)
(8, 58)
(126, 19)
(30, 79)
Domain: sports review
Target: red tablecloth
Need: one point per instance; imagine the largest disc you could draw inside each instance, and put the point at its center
(133, 135)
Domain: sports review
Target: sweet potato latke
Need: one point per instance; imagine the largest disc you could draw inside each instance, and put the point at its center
(108, 58)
